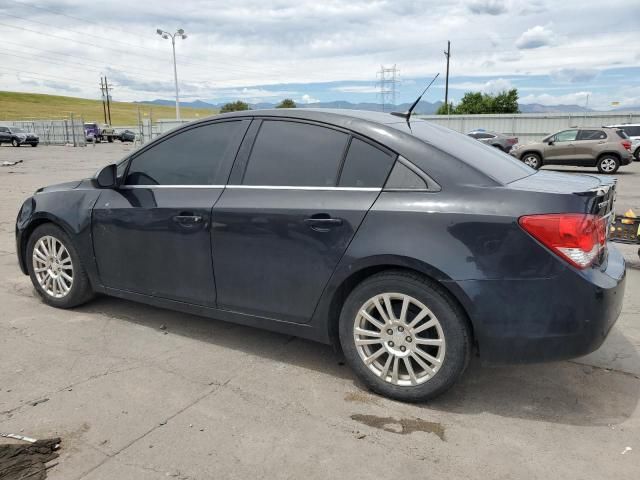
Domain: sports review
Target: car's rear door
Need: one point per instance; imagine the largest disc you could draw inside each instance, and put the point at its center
(297, 195)
(5, 136)
(152, 235)
(562, 149)
(587, 146)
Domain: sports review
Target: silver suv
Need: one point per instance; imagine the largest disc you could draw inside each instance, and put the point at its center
(633, 132)
(604, 148)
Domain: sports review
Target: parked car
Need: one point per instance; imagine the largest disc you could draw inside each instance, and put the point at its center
(126, 136)
(498, 140)
(18, 136)
(633, 132)
(95, 133)
(604, 148)
(407, 246)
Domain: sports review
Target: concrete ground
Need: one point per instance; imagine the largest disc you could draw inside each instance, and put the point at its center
(203, 399)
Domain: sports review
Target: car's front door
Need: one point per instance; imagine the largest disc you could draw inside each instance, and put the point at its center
(587, 146)
(289, 213)
(562, 147)
(5, 136)
(152, 235)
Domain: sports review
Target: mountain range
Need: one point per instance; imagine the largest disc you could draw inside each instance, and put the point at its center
(424, 107)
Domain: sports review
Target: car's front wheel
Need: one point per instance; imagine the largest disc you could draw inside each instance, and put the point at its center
(55, 268)
(608, 164)
(15, 142)
(404, 336)
(532, 160)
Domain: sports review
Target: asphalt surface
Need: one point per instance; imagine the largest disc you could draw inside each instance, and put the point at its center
(141, 393)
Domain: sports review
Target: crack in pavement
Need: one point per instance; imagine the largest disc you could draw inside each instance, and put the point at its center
(155, 427)
(622, 372)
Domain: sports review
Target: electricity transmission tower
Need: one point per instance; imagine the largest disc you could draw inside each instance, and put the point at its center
(387, 81)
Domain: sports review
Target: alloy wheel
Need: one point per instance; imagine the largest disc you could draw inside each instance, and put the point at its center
(531, 161)
(608, 165)
(399, 339)
(53, 266)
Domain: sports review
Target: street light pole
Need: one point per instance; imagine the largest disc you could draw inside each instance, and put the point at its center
(180, 33)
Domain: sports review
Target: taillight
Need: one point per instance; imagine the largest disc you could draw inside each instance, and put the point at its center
(626, 144)
(512, 141)
(578, 238)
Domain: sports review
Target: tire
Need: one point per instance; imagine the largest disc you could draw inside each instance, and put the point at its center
(608, 164)
(79, 289)
(532, 160)
(15, 143)
(34, 145)
(636, 155)
(444, 322)
(110, 139)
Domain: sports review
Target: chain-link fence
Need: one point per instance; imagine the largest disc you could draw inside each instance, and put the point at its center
(54, 132)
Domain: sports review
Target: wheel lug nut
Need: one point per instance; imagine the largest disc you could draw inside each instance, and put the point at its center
(390, 332)
(391, 344)
(403, 348)
(401, 329)
(409, 339)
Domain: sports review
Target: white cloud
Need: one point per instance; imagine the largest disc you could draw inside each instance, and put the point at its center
(309, 99)
(535, 37)
(489, 7)
(497, 85)
(357, 89)
(574, 75)
(577, 98)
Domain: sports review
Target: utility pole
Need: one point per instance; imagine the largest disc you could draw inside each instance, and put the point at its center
(166, 35)
(446, 88)
(104, 108)
(388, 79)
(106, 87)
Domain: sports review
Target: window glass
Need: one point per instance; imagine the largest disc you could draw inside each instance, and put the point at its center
(192, 157)
(622, 134)
(365, 166)
(295, 154)
(591, 135)
(632, 131)
(485, 135)
(403, 178)
(566, 136)
(3, 129)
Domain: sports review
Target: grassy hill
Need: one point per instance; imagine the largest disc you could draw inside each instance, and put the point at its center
(35, 106)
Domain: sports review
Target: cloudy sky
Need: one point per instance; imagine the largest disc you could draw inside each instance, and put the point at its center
(309, 50)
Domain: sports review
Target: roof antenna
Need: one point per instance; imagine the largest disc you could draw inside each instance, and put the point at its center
(407, 115)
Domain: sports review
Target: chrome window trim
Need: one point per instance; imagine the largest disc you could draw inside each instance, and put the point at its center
(260, 187)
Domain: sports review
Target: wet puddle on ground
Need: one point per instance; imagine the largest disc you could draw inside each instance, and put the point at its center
(402, 426)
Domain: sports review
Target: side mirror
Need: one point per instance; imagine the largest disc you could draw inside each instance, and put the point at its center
(106, 178)
(550, 142)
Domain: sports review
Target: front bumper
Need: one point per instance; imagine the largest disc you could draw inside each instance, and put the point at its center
(539, 320)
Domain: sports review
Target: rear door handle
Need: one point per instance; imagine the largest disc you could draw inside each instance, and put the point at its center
(322, 222)
(187, 219)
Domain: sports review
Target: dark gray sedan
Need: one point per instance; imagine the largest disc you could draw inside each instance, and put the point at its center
(408, 246)
(495, 139)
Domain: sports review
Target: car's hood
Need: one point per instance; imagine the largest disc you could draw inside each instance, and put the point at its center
(58, 187)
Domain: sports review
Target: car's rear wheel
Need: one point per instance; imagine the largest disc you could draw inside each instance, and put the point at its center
(636, 155)
(532, 160)
(608, 164)
(15, 143)
(404, 336)
(55, 268)
(34, 144)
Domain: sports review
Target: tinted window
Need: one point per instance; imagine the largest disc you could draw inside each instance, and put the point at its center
(295, 154)
(591, 135)
(403, 178)
(3, 129)
(365, 166)
(632, 131)
(622, 134)
(566, 136)
(485, 135)
(192, 157)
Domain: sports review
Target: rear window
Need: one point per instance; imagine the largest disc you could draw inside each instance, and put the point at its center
(632, 130)
(622, 134)
(489, 160)
(591, 135)
(365, 166)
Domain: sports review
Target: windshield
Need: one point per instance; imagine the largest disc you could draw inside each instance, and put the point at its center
(18, 130)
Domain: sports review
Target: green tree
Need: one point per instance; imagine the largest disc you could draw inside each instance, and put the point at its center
(443, 110)
(287, 103)
(234, 107)
(478, 103)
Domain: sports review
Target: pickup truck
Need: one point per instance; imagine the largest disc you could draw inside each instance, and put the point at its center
(94, 132)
